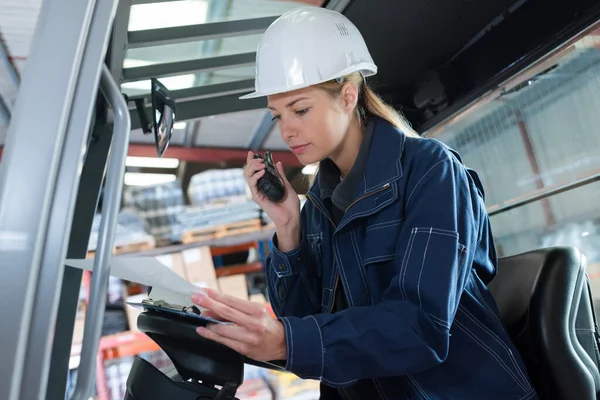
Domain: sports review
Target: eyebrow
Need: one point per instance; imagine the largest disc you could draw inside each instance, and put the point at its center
(291, 103)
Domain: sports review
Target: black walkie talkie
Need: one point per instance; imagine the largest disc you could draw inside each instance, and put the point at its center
(271, 184)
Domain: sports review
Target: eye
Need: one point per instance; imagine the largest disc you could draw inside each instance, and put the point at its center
(276, 118)
(302, 112)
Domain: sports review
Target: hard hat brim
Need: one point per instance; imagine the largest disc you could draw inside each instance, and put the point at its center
(366, 68)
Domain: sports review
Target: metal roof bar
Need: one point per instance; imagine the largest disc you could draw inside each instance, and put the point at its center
(204, 91)
(193, 33)
(184, 67)
(205, 107)
(118, 44)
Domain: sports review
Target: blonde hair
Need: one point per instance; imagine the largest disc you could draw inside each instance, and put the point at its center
(369, 103)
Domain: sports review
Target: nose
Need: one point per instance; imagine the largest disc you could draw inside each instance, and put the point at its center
(288, 130)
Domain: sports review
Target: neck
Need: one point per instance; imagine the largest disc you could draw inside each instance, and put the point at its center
(347, 152)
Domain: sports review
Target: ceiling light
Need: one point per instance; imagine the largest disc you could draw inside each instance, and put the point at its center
(167, 14)
(152, 162)
(140, 179)
(310, 169)
(180, 125)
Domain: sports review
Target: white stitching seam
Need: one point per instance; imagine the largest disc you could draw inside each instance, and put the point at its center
(361, 268)
(416, 385)
(490, 351)
(403, 268)
(380, 389)
(288, 329)
(374, 259)
(423, 177)
(421, 269)
(500, 342)
(322, 346)
(439, 321)
(529, 395)
(386, 224)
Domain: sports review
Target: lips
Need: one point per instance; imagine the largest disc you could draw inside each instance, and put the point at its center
(299, 149)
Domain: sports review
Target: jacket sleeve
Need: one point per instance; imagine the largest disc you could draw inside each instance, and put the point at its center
(408, 331)
(293, 284)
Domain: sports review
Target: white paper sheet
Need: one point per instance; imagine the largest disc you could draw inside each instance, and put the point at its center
(148, 271)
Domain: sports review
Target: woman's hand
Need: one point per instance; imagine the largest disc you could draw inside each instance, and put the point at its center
(283, 214)
(254, 332)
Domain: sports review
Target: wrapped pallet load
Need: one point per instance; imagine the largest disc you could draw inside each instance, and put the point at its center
(217, 185)
(158, 206)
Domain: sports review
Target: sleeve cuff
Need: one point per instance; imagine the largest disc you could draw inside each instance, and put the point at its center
(305, 354)
(284, 262)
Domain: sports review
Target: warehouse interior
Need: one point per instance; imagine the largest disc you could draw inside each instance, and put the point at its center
(512, 85)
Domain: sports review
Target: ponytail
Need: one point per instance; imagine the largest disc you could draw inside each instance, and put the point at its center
(369, 103)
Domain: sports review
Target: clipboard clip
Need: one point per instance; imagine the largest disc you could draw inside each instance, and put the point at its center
(174, 307)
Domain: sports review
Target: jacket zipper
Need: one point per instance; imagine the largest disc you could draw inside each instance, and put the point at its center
(337, 275)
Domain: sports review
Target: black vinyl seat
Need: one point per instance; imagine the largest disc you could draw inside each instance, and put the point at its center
(545, 303)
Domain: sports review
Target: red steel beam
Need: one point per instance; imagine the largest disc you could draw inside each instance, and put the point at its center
(207, 154)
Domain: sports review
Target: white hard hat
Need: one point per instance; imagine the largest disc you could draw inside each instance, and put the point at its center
(307, 46)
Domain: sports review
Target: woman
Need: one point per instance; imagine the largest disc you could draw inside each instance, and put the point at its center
(379, 282)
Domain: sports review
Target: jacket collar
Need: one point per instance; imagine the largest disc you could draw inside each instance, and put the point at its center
(384, 160)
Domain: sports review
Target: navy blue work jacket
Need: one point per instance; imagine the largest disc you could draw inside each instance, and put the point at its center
(413, 254)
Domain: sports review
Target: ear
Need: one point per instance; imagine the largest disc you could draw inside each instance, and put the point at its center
(349, 97)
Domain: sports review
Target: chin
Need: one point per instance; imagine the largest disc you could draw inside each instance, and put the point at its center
(308, 158)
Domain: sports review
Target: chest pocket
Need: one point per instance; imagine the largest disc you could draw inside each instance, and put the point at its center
(379, 263)
(380, 242)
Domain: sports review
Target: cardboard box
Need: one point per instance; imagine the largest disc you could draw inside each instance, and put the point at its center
(199, 267)
(234, 285)
(175, 262)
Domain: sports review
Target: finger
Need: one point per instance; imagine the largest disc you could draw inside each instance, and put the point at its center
(245, 306)
(253, 167)
(253, 185)
(232, 344)
(254, 179)
(224, 311)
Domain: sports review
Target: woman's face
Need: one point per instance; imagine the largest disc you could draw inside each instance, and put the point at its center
(312, 123)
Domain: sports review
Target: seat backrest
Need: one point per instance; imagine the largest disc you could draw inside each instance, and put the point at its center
(543, 298)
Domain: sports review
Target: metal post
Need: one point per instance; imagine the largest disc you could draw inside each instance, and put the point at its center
(37, 193)
(106, 235)
(85, 209)
(51, 273)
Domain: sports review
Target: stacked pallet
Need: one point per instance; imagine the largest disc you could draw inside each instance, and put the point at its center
(130, 235)
(233, 216)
